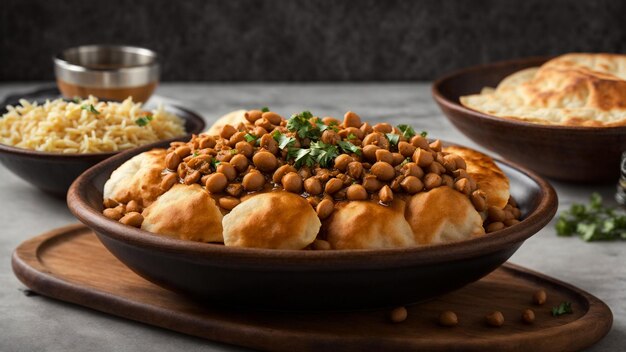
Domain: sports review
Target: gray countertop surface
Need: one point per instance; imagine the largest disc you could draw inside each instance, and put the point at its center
(36, 323)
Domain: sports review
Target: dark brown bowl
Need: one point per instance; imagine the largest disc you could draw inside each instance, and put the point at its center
(579, 154)
(307, 280)
(54, 172)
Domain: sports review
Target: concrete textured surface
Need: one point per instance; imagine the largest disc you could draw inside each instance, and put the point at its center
(321, 40)
(36, 323)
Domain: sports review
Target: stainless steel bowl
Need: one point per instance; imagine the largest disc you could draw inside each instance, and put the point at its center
(111, 72)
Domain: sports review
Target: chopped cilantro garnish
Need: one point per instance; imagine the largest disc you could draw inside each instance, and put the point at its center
(90, 108)
(233, 151)
(393, 138)
(303, 157)
(265, 109)
(284, 141)
(351, 136)
(563, 308)
(349, 147)
(77, 99)
(249, 137)
(424, 134)
(323, 153)
(195, 153)
(214, 163)
(300, 124)
(144, 120)
(407, 131)
(405, 161)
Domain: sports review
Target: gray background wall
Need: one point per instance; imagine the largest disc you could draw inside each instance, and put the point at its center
(311, 40)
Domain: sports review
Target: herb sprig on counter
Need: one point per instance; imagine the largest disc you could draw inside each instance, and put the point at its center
(561, 309)
(593, 222)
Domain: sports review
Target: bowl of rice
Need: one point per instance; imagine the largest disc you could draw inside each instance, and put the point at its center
(50, 143)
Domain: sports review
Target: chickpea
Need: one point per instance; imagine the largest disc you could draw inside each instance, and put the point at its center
(463, 186)
(356, 192)
(228, 170)
(528, 316)
(479, 200)
(207, 142)
(447, 180)
(110, 203)
(419, 142)
(355, 169)
(304, 172)
(312, 186)
(371, 183)
(330, 137)
(333, 185)
(353, 130)
(239, 162)
(411, 184)
(292, 182)
(422, 157)
(253, 115)
(350, 119)
(172, 160)
(411, 169)
(436, 145)
(398, 315)
(395, 184)
(329, 120)
(253, 181)
(133, 219)
(517, 213)
(406, 149)
(369, 151)
(342, 161)
(494, 226)
(460, 173)
(259, 131)
(244, 148)
(449, 162)
(383, 171)
(264, 123)
(432, 181)
(495, 319)
(495, 214)
(216, 183)
(459, 162)
(376, 138)
(236, 138)
(366, 128)
(282, 171)
(272, 117)
(182, 170)
(112, 213)
(192, 177)
(385, 194)
(234, 189)
(265, 161)
(227, 131)
(383, 127)
(224, 156)
(321, 245)
(268, 143)
(540, 297)
(325, 208)
(436, 168)
(511, 222)
(448, 318)
(228, 203)
(183, 151)
(384, 155)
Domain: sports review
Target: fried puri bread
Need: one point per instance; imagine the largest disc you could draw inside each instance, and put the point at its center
(137, 179)
(482, 169)
(233, 118)
(275, 220)
(368, 225)
(185, 212)
(572, 90)
(442, 215)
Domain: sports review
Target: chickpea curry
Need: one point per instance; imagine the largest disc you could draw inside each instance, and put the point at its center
(338, 184)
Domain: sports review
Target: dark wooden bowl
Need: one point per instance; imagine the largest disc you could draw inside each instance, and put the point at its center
(579, 154)
(307, 280)
(54, 172)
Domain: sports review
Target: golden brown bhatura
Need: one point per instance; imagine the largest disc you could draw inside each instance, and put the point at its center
(258, 180)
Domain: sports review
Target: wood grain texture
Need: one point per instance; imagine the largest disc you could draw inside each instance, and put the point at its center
(70, 264)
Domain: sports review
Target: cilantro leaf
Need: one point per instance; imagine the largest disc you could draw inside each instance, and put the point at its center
(561, 309)
(407, 131)
(349, 147)
(249, 137)
(594, 222)
(214, 163)
(424, 134)
(351, 136)
(285, 141)
(304, 157)
(300, 124)
(144, 120)
(393, 138)
(265, 109)
(91, 109)
(77, 99)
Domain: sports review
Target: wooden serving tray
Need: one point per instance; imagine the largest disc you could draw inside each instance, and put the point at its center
(70, 264)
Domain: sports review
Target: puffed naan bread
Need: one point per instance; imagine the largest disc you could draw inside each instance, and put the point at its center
(274, 220)
(368, 225)
(139, 179)
(573, 90)
(488, 176)
(442, 215)
(233, 118)
(185, 212)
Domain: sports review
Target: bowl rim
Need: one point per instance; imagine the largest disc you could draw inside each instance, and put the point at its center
(189, 115)
(543, 212)
(63, 63)
(449, 103)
